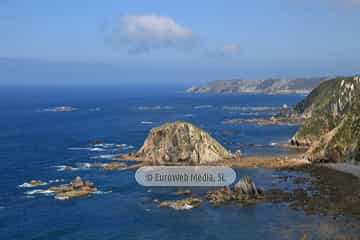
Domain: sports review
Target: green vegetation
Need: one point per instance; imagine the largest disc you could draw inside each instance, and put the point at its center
(332, 126)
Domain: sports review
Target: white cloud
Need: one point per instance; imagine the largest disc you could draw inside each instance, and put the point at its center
(143, 33)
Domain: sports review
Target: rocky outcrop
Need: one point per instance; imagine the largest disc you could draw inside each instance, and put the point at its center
(181, 142)
(332, 126)
(76, 188)
(244, 192)
(270, 85)
(183, 204)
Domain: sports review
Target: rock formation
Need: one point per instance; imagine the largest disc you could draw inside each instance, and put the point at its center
(181, 142)
(183, 204)
(332, 126)
(245, 192)
(76, 188)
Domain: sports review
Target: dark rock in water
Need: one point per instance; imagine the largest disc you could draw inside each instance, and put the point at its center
(245, 192)
(181, 142)
(183, 192)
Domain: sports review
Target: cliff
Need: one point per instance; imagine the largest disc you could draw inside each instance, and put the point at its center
(181, 142)
(332, 121)
(270, 85)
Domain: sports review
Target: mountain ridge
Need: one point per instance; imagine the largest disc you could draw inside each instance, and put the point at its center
(267, 85)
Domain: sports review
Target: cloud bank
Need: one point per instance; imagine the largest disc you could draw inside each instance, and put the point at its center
(144, 33)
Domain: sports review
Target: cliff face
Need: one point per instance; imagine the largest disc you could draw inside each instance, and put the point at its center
(332, 126)
(181, 142)
(271, 85)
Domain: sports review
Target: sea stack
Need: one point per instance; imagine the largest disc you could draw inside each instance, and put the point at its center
(181, 142)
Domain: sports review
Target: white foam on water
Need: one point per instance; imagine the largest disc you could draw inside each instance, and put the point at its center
(39, 191)
(103, 156)
(56, 180)
(104, 145)
(85, 165)
(146, 122)
(29, 185)
(101, 192)
(61, 197)
(129, 147)
(185, 207)
(61, 168)
(96, 149)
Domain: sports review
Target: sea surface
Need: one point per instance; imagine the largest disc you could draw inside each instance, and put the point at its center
(35, 143)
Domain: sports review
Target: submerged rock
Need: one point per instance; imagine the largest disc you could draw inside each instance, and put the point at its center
(183, 192)
(181, 142)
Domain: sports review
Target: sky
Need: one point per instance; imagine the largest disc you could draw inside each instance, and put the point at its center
(176, 42)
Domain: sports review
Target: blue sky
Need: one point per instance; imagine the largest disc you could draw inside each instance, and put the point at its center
(188, 41)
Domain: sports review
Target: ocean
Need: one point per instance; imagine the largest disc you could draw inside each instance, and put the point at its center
(35, 143)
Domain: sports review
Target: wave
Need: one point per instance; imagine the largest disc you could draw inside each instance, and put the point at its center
(128, 147)
(31, 185)
(146, 122)
(103, 156)
(104, 145)
(61, 168)
(202, 106)
(158, 107)
(102, 192)
(39, 191)
(91, 149)
(185, 207)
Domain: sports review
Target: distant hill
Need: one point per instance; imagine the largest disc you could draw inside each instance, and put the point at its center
(332, 125)
(270, 85)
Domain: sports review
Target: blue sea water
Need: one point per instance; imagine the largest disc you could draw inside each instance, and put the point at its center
(33, 142)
